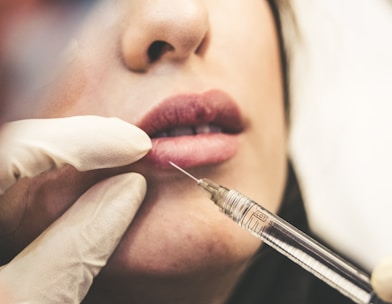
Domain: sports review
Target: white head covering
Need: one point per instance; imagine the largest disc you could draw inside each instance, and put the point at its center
(341, 122)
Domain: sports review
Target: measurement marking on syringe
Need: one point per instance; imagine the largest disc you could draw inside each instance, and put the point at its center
(254, 220)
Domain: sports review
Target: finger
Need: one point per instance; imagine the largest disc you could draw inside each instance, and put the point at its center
(59, 266)
(30, 147)
(382, 279)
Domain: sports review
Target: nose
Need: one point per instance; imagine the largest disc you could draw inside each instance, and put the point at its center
(164, 31)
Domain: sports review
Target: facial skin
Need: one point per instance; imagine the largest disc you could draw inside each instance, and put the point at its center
(179, 248)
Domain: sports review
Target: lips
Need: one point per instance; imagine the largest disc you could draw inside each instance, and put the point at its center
(193, 129)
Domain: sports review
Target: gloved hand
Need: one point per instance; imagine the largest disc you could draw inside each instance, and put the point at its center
(59, 266)
(382, 279)
(30, 147)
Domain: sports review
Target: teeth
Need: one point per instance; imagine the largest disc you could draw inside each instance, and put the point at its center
(161, 134)
(180, 131)
(206, 129)
(186, 131)
(215, 129)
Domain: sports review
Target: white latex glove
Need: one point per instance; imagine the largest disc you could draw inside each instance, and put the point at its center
(382, 279)
(59, 266)
(29, 147)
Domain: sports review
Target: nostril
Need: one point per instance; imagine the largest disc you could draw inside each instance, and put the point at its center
(157, 49)
(203, 45)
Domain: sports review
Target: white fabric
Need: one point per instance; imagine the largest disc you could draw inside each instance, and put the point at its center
(341, 115)
(341, 131)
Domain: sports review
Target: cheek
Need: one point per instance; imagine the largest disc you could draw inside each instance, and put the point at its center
(63, 95)
(78, 91)
(257, 78)
(249, 41)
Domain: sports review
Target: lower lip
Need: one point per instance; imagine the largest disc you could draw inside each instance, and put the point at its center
(193, 151)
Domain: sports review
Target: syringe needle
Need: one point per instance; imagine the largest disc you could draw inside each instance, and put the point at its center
(291, 242)
(204, 183)
(183, 171)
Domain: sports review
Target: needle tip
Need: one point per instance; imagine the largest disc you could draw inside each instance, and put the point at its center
(183, 171)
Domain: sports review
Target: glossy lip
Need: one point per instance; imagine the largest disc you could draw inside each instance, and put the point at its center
(213, 107)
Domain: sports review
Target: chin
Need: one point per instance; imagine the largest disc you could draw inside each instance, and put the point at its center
(176, 237)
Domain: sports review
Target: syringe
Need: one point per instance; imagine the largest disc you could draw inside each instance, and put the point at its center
(291, 242)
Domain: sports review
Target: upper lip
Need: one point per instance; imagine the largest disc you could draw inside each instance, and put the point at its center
(191, 110)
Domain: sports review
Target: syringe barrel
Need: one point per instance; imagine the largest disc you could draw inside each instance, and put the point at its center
(297, 246)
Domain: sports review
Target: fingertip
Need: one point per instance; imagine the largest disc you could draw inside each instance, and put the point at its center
(106, 142)
(143, 141)
(139, 142)
(381, 279)
(136, 183)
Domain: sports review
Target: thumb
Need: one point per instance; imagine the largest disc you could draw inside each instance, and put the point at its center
(59, 266)
(29, 147)
(382, 279)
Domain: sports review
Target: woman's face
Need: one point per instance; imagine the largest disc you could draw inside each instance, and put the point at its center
(176, 68)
